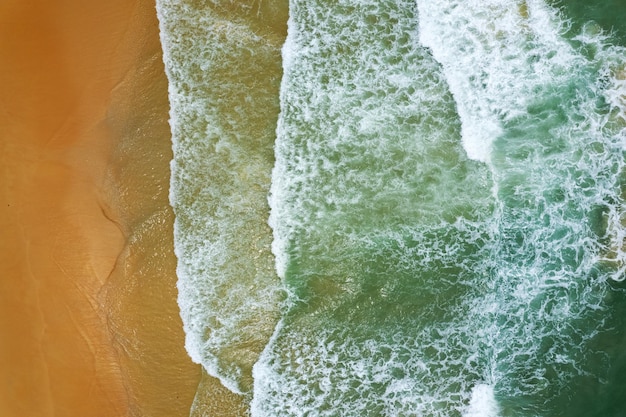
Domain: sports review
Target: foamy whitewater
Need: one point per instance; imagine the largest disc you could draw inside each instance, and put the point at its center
(407, 208)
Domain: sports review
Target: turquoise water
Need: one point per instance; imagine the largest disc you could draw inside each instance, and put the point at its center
(406, 208)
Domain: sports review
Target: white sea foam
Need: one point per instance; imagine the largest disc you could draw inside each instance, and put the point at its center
(368, 163)
(555, 158)
(483, 402)
(223, 78)
(329, 373)
(361, 124)
(492, 299)
(496, 55)
(370, 176)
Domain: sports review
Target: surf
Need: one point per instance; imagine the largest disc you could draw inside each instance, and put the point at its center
(419, 213)
(223, 117)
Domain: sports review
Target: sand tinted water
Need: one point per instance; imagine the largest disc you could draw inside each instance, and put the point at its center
(224, 68)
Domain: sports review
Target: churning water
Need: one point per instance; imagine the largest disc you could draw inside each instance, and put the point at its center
(406, 208)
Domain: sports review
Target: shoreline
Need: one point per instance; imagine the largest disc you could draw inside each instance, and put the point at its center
(66, 233)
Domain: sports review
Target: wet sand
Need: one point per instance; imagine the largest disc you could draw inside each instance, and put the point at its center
(88, 319)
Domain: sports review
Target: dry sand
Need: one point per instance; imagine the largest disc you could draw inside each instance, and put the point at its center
(88, 320)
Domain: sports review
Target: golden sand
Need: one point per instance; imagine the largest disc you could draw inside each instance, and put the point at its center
(88, 324)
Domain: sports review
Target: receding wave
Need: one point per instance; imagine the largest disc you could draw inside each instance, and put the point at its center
(224, 72)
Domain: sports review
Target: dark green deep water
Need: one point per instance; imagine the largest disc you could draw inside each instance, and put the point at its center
(445, 182)
(610, 15)
(606, 398)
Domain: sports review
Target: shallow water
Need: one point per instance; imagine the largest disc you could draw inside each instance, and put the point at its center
(445, 202)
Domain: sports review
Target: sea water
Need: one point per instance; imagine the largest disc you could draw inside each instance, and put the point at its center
(223, 64)
(426, 219)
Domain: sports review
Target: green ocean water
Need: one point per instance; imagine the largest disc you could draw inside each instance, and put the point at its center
(406, 208)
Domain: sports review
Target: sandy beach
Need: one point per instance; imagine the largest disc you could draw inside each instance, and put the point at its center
(89, 324)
